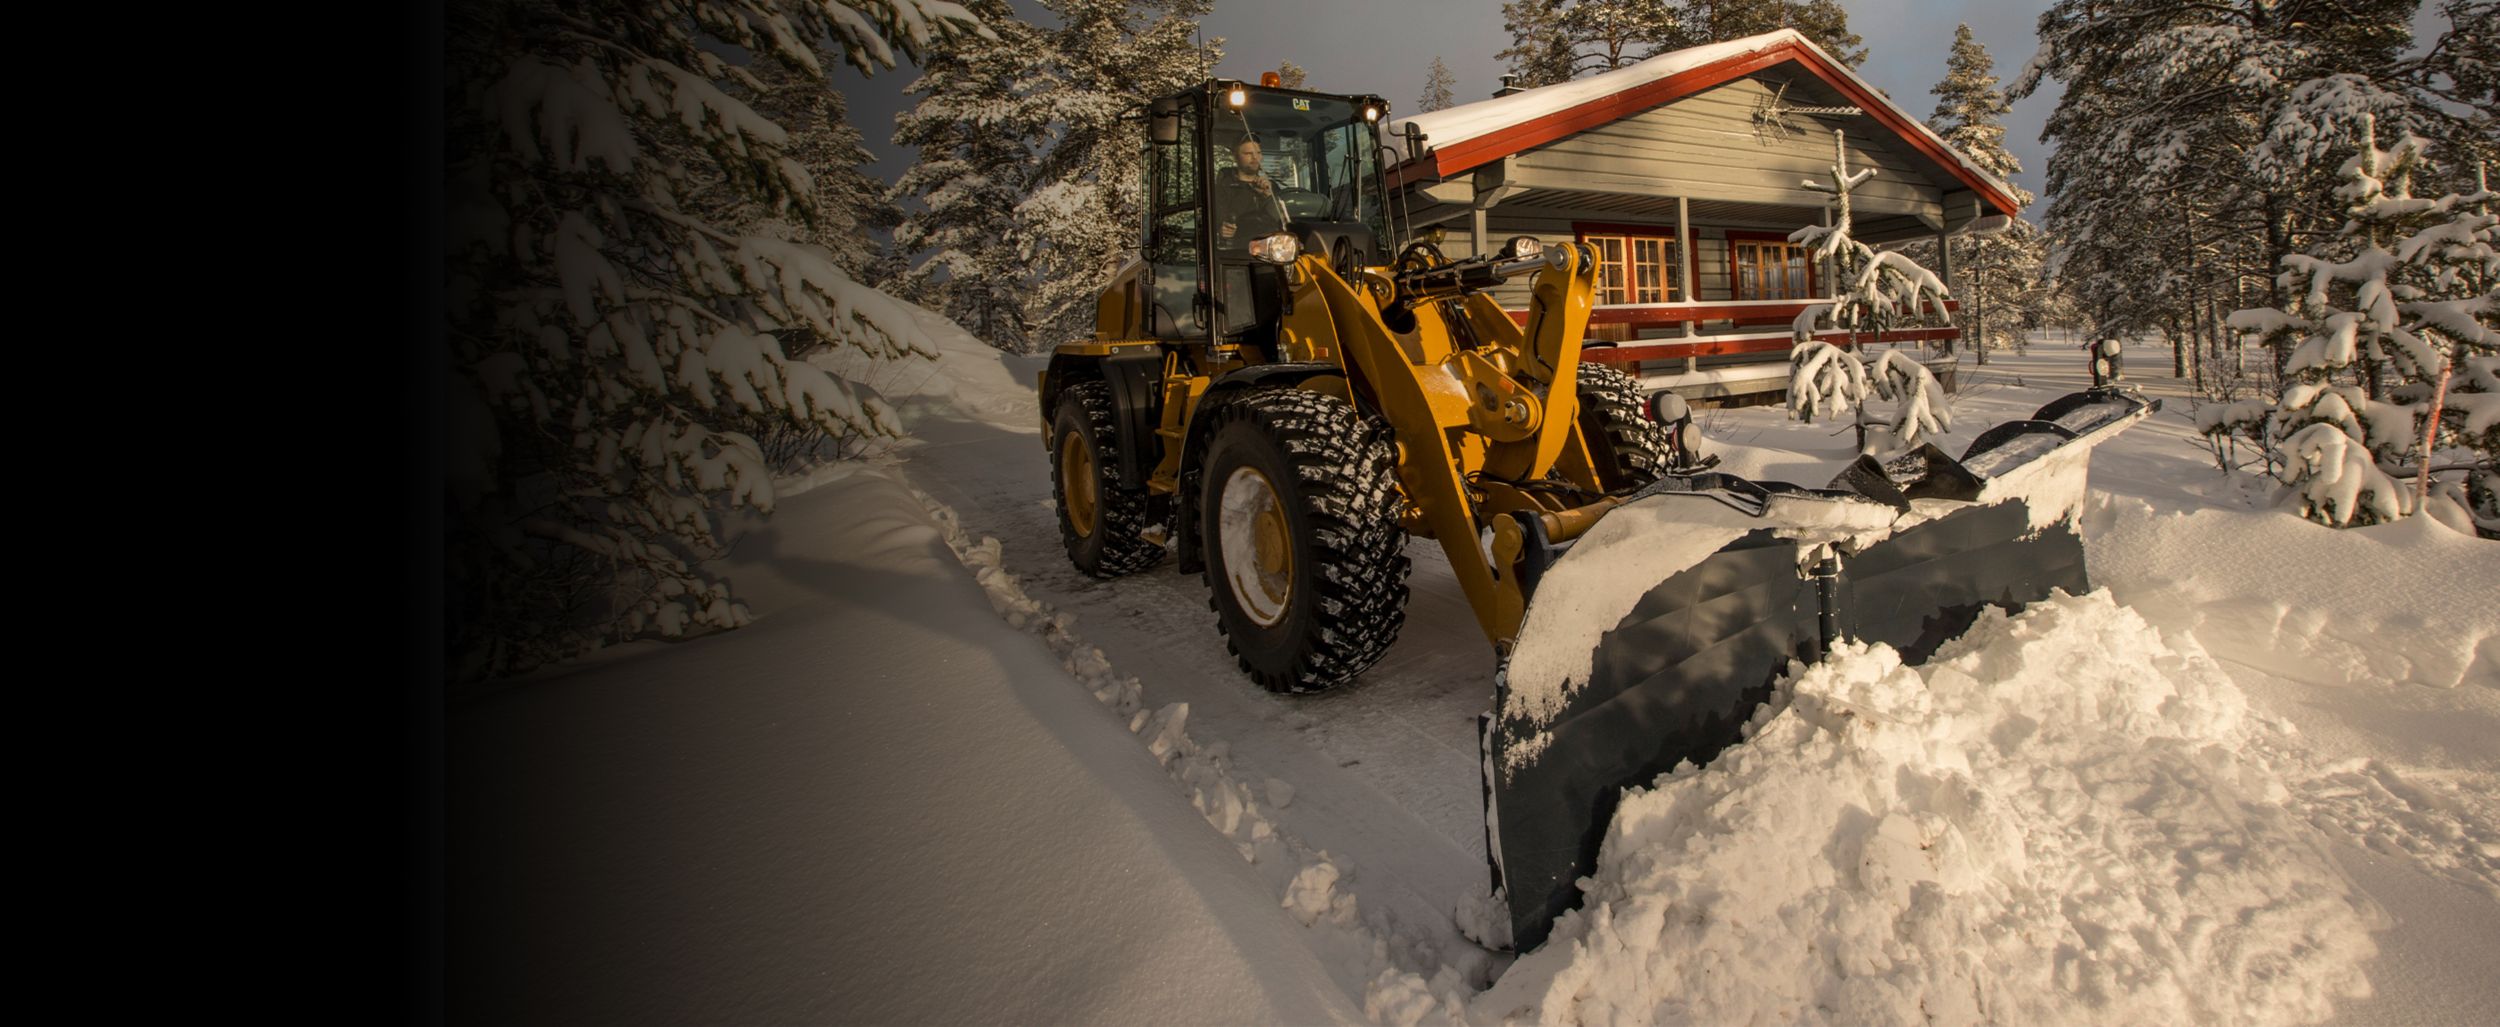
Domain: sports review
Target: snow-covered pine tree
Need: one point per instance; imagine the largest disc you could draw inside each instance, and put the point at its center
(2191, 141)
(1998, 276)
(1080, 218)
(1292, 76)
(1438, 87)
(2456, 262)
(1882, 288)
(2378, 314)
(601, 336)
(979, 123)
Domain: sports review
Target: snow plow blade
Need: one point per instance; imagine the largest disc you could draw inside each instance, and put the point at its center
(1655, 638)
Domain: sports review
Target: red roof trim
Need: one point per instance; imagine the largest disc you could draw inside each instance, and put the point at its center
(1443, 162)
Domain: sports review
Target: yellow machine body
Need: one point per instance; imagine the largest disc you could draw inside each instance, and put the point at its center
(1484, 410)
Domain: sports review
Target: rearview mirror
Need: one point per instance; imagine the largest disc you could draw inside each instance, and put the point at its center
(1163, 121)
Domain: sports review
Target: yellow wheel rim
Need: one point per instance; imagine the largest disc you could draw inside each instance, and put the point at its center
(1076, 482)
(1257, 543)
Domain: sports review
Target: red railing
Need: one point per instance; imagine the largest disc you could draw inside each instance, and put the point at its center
(1665, 315)
(1677, 349)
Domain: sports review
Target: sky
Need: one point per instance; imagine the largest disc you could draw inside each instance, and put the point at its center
(1387, 47)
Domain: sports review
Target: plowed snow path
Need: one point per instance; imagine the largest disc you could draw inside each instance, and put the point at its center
(1384, 772)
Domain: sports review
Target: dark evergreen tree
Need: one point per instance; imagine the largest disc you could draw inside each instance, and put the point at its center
(1823, 21)
(1438, 86)
(1998, 277)
(1541, 49)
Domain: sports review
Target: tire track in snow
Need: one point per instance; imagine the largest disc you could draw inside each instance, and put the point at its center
(1314, 886)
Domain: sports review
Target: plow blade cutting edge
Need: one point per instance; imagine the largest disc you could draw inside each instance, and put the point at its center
(1656, 635)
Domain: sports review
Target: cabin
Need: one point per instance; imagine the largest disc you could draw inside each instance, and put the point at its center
(1687, 172)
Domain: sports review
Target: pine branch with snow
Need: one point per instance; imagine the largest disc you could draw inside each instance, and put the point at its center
(1824, 380)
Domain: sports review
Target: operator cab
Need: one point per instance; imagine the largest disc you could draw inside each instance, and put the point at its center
(1316, 188)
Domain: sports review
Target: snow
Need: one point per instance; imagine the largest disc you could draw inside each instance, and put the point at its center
(2411, 602)
(944, 777)
(2053, 821)
(825, 816)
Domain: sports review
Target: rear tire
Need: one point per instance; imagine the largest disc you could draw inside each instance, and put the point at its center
(1629, 449)
(1305, 557)
(1101, 524)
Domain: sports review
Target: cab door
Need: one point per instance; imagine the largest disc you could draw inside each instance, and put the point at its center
(1177, 306)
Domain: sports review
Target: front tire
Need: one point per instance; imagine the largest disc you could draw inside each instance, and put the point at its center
(1102, 524)
(1305, 557)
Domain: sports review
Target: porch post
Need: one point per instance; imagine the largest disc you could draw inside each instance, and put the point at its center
(1684, 252)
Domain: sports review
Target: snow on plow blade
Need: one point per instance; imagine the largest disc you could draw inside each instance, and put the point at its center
(1655, 637)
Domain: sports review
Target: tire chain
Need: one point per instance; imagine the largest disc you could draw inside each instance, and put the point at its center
(1124, 550)
(1347, 468)
(1643, 449)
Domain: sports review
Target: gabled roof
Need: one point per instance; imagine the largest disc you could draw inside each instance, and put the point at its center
(1463, 137)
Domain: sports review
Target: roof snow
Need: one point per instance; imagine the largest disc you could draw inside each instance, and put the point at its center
(1450, 126)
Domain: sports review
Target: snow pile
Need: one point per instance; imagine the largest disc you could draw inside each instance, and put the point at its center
(2374, 612)
(970, 377)
(2050, 822)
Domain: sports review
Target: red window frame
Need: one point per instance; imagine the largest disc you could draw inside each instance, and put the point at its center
(1736, 280)
(1614, 285)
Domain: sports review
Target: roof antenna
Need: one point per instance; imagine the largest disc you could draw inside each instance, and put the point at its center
(1770, 114)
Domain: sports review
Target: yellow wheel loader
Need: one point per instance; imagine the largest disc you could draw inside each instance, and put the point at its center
(1284, 397)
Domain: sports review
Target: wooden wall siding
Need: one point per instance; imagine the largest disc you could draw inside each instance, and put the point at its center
(1706, 146)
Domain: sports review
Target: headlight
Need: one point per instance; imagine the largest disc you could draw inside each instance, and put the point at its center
(1280, 248)
(1522, 246)
(1236, 97)
(1665, 407)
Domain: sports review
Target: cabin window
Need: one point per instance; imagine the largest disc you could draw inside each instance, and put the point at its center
(1770, 269)
(1633, 265)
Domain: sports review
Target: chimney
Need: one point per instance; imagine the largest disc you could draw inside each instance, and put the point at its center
(1510, 84)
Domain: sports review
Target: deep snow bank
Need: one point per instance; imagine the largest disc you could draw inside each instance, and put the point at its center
(2411, 601)
(876, 804)
(2050, 822)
